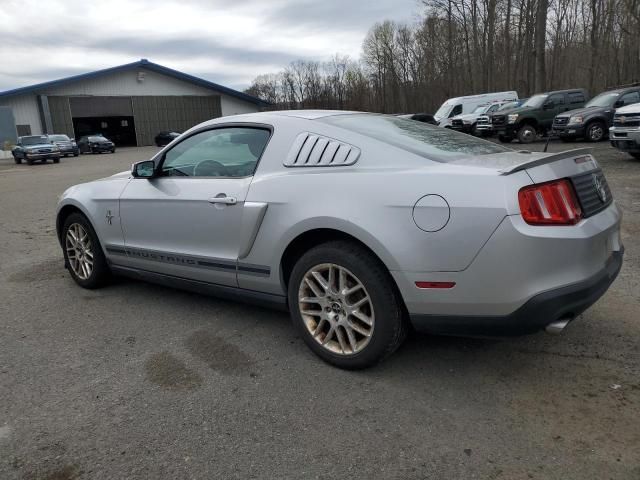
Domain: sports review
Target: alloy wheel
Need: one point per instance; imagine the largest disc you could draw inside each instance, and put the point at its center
(596, 132)
(336, 309)
(79, 251)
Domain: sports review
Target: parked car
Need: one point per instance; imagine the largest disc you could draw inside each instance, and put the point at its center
(483, 125)
(67, 146)
(418, 225)
(535, 116)
(593, 121)
(35, 147)
(165, 138)
(468, 122)
(625, 131)
(461, 105)
(96, 144)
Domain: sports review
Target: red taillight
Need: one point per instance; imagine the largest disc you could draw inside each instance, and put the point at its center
(551, 203)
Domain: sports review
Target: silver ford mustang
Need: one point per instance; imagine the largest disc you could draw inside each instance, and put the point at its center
(361, 225)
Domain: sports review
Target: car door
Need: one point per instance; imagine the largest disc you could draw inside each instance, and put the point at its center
(186, 221)
(554, 105)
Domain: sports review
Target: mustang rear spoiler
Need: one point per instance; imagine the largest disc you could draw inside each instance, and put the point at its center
(554, 157)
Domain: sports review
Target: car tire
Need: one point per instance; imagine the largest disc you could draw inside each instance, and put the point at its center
(505, 139)
(29, 161)
(17, 160)
(380, 325)
(595, 131)
(99, 273)
(76, 154)
(527, 134)
(636, 156)
(56, 160)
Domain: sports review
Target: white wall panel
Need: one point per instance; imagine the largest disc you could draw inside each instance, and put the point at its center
(25, 111)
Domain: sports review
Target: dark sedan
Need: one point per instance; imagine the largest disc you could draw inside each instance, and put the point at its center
(96, 144)
(165, 138)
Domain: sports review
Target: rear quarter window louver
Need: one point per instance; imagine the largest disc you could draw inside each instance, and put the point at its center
(311, 150)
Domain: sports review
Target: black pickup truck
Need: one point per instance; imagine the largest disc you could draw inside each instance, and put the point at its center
(593, 121)
(535, 116)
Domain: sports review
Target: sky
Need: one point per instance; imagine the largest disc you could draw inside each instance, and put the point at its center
(224, 41)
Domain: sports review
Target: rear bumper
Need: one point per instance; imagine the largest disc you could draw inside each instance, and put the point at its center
(536, 314)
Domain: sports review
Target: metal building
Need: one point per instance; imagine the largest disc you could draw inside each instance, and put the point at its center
(129, 104)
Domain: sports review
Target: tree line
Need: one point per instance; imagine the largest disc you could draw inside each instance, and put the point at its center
(462, 47)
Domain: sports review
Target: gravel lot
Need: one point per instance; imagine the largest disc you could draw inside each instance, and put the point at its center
(139, 381)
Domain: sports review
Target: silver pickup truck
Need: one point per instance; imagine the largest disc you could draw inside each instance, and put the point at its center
(625, 132)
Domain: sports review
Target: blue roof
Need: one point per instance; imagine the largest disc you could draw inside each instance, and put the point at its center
(144, 63)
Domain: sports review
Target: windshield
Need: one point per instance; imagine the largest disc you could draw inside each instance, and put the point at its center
(443, 111)
(58, 138)
(431, 142)
(536, 101)
(97, 139)
(603, 100)
(481, 109)
(37, 140)
(508, 105)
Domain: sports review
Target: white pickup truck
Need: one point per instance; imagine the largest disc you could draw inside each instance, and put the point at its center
(625, 132)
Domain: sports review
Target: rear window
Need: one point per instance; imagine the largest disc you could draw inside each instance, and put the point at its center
(431, 142)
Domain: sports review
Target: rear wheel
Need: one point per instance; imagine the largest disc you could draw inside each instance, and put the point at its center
(505, 139)
(636, 156)
(595, 132)
(527, 134)
(83, 254)
(345, 306)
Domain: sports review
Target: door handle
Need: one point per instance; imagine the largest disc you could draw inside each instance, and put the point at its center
(224, 200)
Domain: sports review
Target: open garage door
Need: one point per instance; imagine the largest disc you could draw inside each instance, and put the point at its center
(109, 116)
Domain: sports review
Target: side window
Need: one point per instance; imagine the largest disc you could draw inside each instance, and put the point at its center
(457, 110)
(576, 97)
(629, 98)
(223, 152)
(556, 100)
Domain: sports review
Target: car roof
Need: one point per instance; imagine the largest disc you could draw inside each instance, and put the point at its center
(311, 114)
(570, 90)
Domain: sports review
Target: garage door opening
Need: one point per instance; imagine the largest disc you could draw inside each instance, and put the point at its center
(120, 130)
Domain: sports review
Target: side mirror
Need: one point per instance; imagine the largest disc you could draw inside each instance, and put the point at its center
(144, 169)
(618, 104)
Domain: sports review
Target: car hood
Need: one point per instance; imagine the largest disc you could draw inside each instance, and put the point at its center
(39, 145)
(633, 108)
(518, 110)
(467, 116)
(125, 174)
(583, 111)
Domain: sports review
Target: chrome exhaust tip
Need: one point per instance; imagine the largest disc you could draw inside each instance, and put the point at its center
(558, 326)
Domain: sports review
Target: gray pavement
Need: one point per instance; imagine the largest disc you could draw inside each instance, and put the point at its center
(142, 382)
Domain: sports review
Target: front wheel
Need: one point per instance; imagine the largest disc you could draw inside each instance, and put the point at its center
(17, 160)
(636, 156)
(345, 305)
(595, 132)
(83, 254)
(56, 160)
(527, 134)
